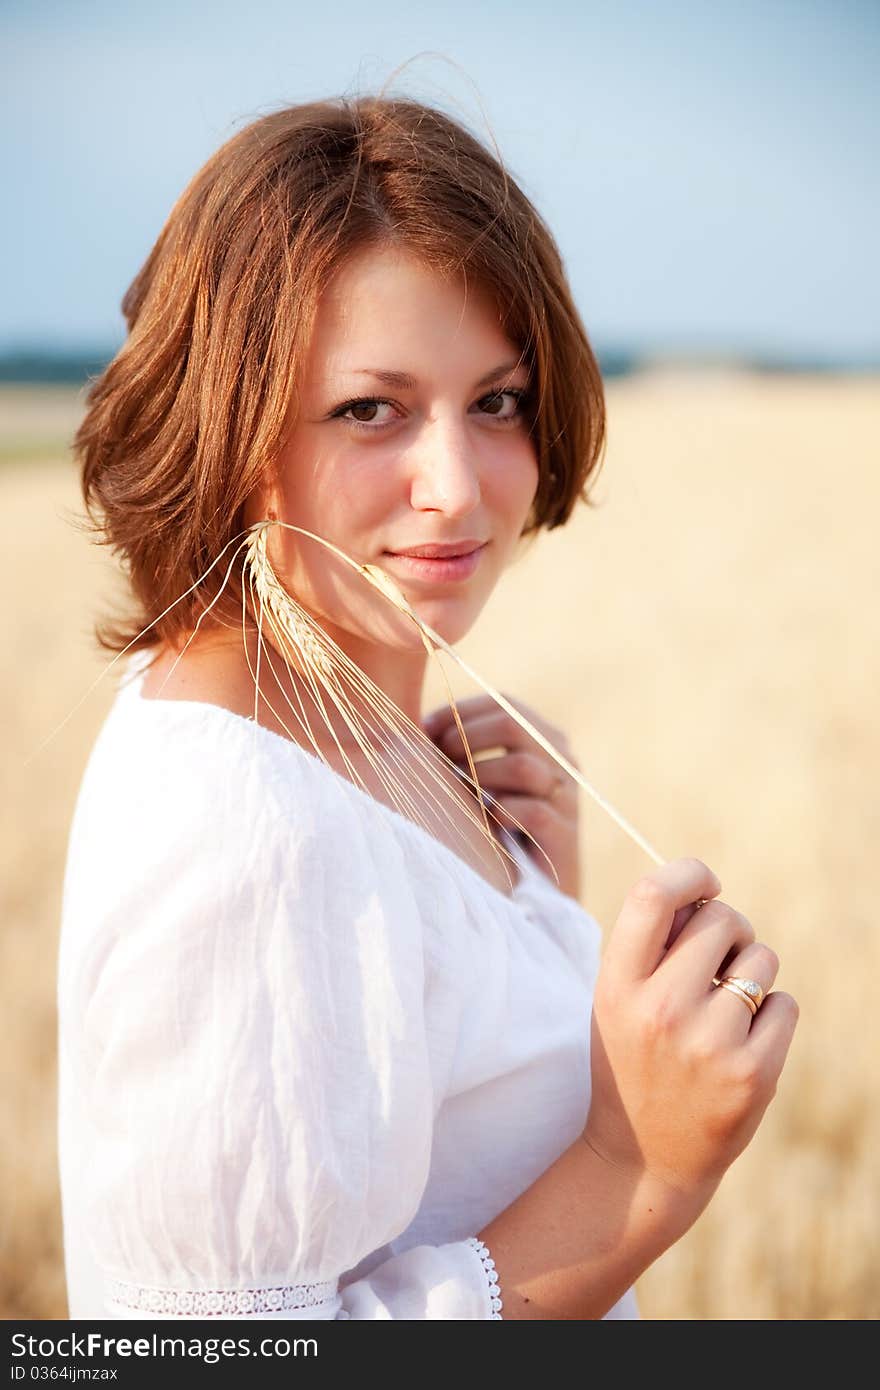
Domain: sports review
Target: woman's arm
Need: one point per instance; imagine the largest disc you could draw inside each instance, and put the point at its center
(682, 1073)
(573, 1243)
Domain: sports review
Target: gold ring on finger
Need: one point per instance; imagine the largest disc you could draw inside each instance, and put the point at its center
(748, 990)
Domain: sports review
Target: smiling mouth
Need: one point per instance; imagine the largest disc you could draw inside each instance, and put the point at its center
(438, 568)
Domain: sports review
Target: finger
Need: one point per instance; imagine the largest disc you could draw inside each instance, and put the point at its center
(538, 818)
(520, 771)
(756, 962)
(771, 1033)
(535, 814)
(680, 921)
(436, 720)
(637, 941)
(712, 934)
(494, 728)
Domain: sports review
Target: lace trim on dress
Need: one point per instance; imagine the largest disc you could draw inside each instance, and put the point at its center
(207, 1303)
(495, 1302)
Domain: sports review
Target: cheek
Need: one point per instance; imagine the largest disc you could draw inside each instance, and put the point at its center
(314, 486)
(520, 478)
(533, 473)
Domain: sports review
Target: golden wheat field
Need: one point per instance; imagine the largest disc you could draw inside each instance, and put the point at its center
(708, 638)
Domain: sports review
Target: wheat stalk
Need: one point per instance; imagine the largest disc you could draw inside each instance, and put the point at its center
(382, 582)
(327, 665)
(327, 669)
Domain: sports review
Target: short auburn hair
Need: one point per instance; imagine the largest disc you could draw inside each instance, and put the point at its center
(189, 416)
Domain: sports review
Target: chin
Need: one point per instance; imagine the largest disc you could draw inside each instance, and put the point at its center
(451, 620)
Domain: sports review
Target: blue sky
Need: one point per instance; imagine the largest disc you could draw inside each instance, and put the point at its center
(709, 169)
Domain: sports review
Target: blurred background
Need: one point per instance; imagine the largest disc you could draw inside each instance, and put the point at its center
(708, 634)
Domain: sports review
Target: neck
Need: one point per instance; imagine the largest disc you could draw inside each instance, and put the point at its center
(292, 691)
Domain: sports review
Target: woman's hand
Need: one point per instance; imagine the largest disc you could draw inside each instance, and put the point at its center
(524, 779)
(681, 1071)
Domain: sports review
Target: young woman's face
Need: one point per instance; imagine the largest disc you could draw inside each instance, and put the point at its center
(378, 466)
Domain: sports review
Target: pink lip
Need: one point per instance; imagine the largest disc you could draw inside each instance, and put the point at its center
(445, 551)
(432, 568)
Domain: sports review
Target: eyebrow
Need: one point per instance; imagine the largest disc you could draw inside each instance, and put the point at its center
(404, 382)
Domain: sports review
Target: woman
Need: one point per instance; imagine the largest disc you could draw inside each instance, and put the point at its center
(321, 1053)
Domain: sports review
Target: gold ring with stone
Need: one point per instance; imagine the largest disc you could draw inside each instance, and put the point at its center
(748, 990)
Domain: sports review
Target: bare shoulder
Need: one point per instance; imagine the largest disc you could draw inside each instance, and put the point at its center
(203, 671)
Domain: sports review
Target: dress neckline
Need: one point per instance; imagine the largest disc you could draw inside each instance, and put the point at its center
(530, 876)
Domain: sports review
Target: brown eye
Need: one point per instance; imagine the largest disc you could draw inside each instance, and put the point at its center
(494, 404)
(365, 418)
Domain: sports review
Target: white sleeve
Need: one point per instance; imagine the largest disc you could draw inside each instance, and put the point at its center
(256, 1073)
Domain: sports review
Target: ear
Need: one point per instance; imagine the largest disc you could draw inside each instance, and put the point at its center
(272, 498)
(262, 504)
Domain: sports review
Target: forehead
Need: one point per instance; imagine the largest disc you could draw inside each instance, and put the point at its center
(385, 306)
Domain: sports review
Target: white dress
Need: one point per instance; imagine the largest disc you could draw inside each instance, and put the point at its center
(306, 1052)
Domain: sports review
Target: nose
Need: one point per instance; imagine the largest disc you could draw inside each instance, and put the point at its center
(445, 474)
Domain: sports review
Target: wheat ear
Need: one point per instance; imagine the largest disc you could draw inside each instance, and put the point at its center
(382, 582)
(326, 665)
